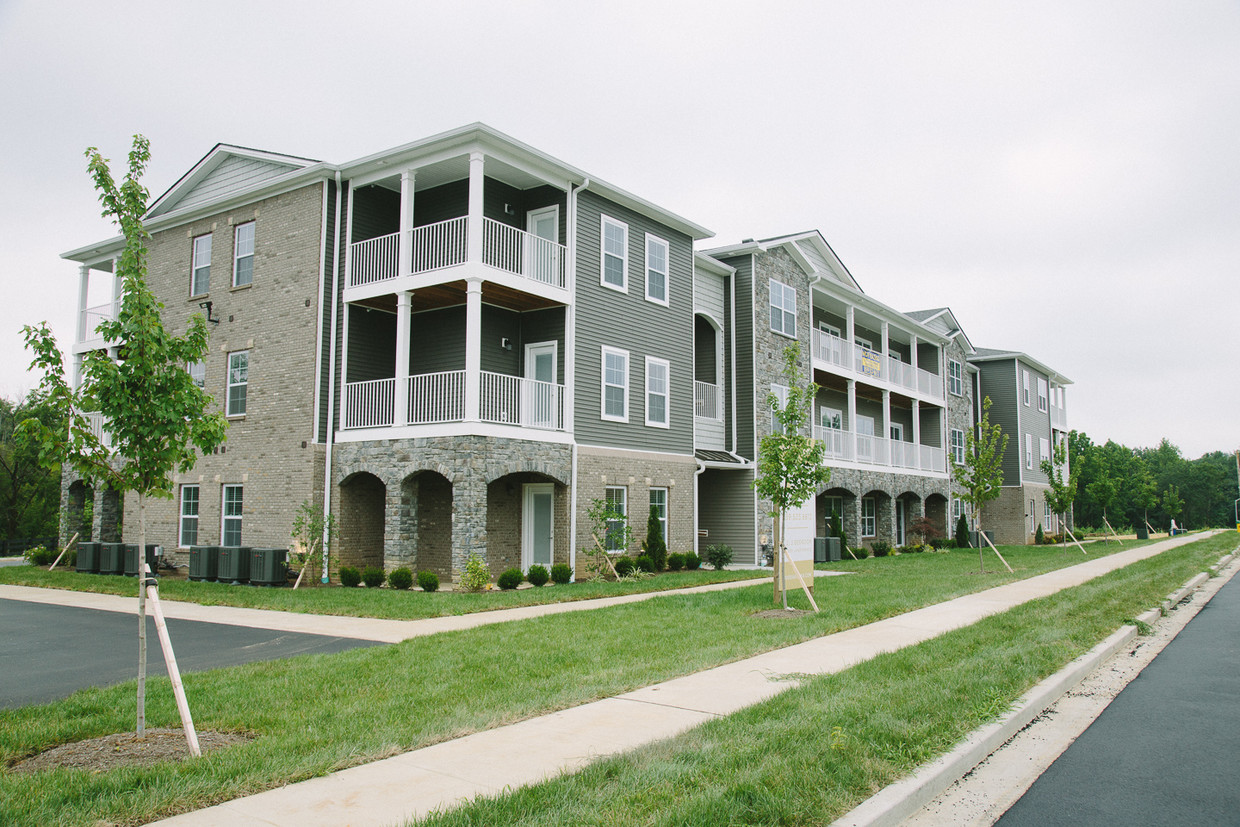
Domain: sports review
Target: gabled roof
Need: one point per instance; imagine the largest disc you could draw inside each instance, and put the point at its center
(225, 169)
(986, 354)
(809, 249)
(943, 317)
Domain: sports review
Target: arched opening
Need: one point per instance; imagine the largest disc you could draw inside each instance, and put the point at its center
(424, 533)
(527, 522)
(111, 516)
(936, 512)
(907, 513)
(839, 501)
(877, 517)
(79, 511)
(362, 499)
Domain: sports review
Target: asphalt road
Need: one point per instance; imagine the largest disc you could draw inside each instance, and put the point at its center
(48, 652)
(1167, 749)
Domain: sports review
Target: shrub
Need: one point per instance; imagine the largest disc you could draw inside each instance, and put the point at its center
(962, 532)
(538, 575)
(719, 556)
(861, 553)
(373, 577)
(510, 579)
(350, 577)
(692, 561)
(561, 573)
(428, 581)
(675, 561)
(645, 562)
(476, 575)
(41, 556)
(1039, 539)
(939, 543)
(654, 546)
(881, 548)
(624, 566)
(401, 579)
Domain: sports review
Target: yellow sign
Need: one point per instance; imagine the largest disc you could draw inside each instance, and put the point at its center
(871, 362)
(799, 542)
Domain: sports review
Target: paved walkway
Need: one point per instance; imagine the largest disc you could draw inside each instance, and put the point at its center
(415, 783)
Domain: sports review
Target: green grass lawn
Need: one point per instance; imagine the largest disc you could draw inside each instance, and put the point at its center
(313, 715)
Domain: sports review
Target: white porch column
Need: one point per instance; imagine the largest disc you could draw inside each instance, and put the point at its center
(850, 324)
(916, 431)
(400, 415)
(118, 288)
(886, 329)
(475, 206)
(852, 404)
(912, 353)
(405, 240)
(850, 347)
(473, 346)
(886, 434)
(83, 297)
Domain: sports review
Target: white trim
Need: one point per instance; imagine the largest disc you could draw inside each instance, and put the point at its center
(826, 327)
(237, 258)
(195, 265)
(663, 520)
(1024, 396)
(957, 379)
(182, 516)
(229, 384)
(955, 443)
(873, 518)
(653, 241)
(528, 491)
(604, 385)
(225, 516)
(532, 216)
(786, 292)
(1029, 451)
(667, 393)
(624, 511)
(623, 287)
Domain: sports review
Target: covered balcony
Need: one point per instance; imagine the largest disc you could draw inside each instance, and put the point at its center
(867, 449)
(98, 301)
(863, 426)
(437, 398)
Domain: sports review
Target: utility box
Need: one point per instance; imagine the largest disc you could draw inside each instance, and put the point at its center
(132, 565)
(88, 558)
(111, 558)
(1143, 533)
(826, 549)
(234, 565)
(269, 567)
(976, 542)
(204, 562)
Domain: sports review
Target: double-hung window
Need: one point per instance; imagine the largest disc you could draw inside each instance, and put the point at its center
(1044, 449)
(198, 372)
(230, 526)
(783, 309)
(615, 254)
(617, 502)
(615, 384)
(238, 382)
(868, 522)
(657, 269)
(657, 382)
(1043, 395)
(200, 269)
(243, 255)
(1024, 394)
(957, 446)
(189, 516)
(658, 502)
(1029, 451)
(955, 377)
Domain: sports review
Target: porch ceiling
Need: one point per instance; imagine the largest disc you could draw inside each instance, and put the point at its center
(457, 169)
(452, 294)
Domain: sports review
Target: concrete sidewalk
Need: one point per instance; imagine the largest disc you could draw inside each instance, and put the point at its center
(416, 783)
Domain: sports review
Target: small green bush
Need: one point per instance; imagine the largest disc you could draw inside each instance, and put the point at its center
(624, 566)
(655, 545)
(41, 556)
(373, 577)
(962, 532)
(719, 556)
(1039, 539)
(401, 579)
(645, 562)
(428, 581)
(675, 561)
(350, 577)
(940, 543)
(510, 579)
(476, 575)
(861, 553)
(881, 548)
(537, 575)
(692, 561)
(561, 573)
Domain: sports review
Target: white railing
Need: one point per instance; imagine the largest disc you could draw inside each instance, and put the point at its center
(874, 450)
(92, 316)
(374, 259)
(831, 349)
(439, 245)
(1059, 418)
(513, 400)
(706, 403)
(933, 459)
(904, 454)
(901, 373)
(523, 254)
(94, 421)
(930, 384)
(369, 404)
(436, 397)
(852, 358)
(839, 444)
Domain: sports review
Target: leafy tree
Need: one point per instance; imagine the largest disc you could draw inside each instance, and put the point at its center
(980, 478)
(1145, 493)
(1062, 491)
(790, 463)
(29, 489)
(1172, 503)
(153, 411)
(310, 528)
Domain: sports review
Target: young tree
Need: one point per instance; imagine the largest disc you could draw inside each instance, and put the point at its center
(981, 476)
(154, 413)
(310, 528)
(1062, 490)
(1145, 494)
(790, 467)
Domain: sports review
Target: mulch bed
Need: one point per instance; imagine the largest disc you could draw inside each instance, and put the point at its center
(126, 749)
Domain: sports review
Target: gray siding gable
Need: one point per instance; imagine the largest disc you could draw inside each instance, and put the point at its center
(233, 174)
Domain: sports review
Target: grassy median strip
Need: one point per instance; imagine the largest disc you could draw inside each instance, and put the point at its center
(813, 753)
(313, 715)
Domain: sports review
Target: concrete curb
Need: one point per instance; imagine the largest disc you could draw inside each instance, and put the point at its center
(898, 801)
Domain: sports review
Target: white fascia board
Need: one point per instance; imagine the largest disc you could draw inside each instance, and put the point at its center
(744, 248)
(706, 263)
(218, 154)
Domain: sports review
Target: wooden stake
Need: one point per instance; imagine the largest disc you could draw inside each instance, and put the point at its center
(797, 572)
(63, 550)
(1113, 531)
(982, 534)
(1078, 542)
(170, 661)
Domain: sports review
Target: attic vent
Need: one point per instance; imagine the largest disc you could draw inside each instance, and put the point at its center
(746, 241)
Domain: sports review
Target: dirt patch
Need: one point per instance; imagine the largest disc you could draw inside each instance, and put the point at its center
(126, 749)
(779, 613)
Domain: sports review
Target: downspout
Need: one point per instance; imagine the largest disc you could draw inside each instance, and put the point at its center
(570, 356)
(331, 384)
(697, 537)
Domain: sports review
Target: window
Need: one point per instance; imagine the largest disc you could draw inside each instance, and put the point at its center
(955, 377)
(656, 269)
(238, 381)
(1042, 395)
(1025, 391)
(1029, 451)
(200, 272)
(657, 372)
(615, 254)
(189, 516)
(658, 501)
(1044, 449)
(615, 384)
(783, 309)
(230, 529)
(829, 329)
(198, 372)
(868, 523)
(781, 395)
(243, 255)
(831, 419)
(617, 501)
(957, 446)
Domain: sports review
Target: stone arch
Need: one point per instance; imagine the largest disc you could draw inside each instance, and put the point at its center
(361, 513)
(908, 504)
(77, 515)
(883, 517)
(845, 500)
(506, 519)
(528, 466)
(109, 515)
(937, 511)
(422, 535)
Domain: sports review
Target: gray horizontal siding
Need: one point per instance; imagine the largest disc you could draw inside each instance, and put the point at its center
(999, 382)
(727, 512)
(232, 175)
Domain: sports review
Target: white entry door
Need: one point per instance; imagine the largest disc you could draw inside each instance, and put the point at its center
(542, 252)
(537, 525)
(900, 530)
(541, 404)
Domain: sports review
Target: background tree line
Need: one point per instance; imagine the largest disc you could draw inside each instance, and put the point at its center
(29, 491)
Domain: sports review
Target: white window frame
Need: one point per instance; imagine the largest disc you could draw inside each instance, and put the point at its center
(238, 252)
(654, 243)
(827, 327)
(244, 384)
(1043, 395)
(184, 517)
(226, 515)
(623, 354)
(201, 250)
(1029, 451)
(198, 372)
(652, 392)
(622, 254)
(830, 419)
(1025, 392)
(1044, 449)
(869, 523)
(955, 378)
(662, 506)
(623, 499)
(956, 442)
(781, 393)
(783, 301)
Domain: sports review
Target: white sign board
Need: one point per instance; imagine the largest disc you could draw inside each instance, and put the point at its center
(799, 543)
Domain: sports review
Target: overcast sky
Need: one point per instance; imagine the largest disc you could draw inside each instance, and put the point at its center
(1064, 175)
